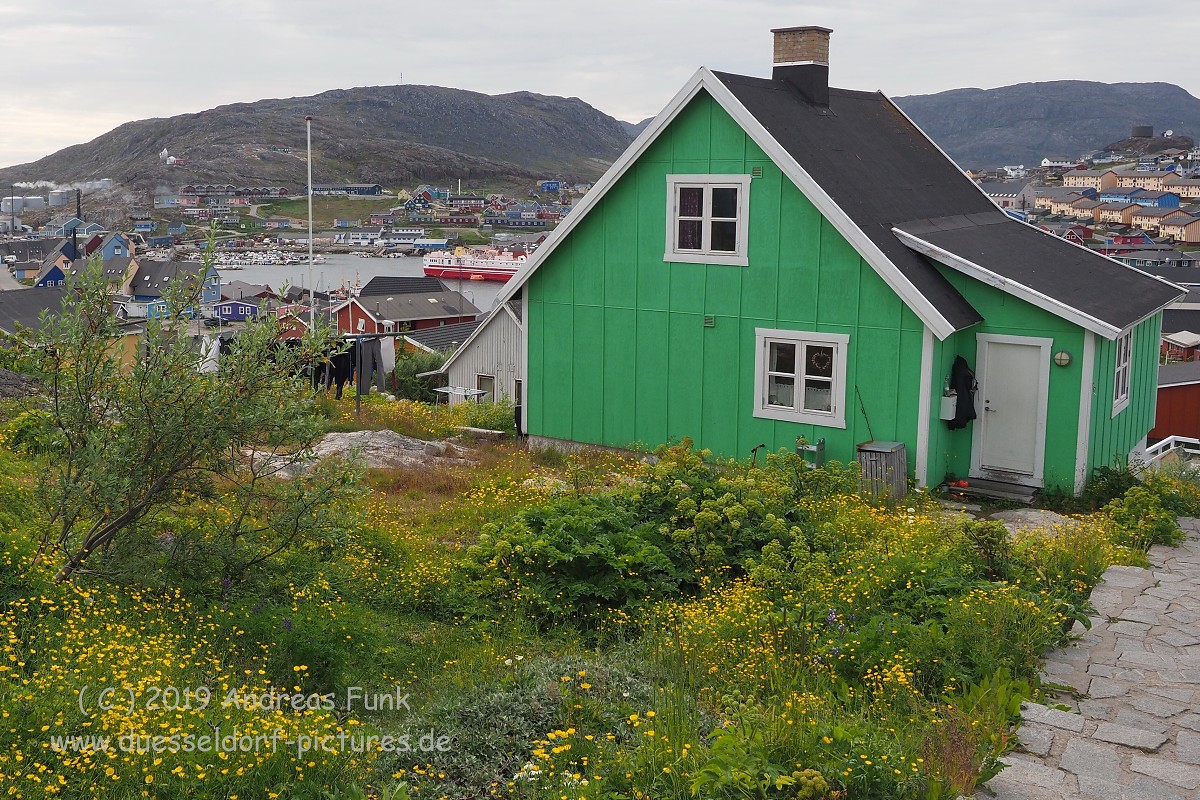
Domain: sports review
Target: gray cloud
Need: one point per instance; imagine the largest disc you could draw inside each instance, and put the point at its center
(83, 68)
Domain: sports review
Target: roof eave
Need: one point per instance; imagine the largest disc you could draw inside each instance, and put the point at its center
(1009, 286)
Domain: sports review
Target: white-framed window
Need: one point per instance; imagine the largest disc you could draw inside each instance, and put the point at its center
(800, 376)
(487, 385)
(707, 219)
(1121, 374)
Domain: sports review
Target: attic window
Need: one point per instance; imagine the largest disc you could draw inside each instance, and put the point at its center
(707, 219)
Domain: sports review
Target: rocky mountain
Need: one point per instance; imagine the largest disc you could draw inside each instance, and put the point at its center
(393, 135)
(634, 129)
(1023, 124)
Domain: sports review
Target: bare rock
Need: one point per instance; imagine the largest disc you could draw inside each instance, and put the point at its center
(1025, 519)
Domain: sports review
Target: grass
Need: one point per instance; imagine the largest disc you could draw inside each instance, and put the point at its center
(790, 629)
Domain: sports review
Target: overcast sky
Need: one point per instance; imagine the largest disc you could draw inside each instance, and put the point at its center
(73, 70)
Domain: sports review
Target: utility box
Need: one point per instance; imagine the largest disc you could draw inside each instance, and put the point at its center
(884, 468)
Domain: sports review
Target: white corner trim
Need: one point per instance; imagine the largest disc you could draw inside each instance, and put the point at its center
(1086, 391)
(924, 407)
(509, 310)
(1029, 295)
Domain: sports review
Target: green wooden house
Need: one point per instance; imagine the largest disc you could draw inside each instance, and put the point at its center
(774, 259)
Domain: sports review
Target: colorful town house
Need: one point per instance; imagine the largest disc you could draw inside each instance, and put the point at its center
(775, 259)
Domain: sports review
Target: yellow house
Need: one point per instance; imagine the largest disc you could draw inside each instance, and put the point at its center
(1184, 229)
(1084, 209)
(1116, 213)
(1098, 179)
(1149, 219)
(1186, 188)
(1150, 181)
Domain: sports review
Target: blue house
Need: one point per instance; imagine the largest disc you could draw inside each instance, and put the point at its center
(152, 277)
(1157, 199)
(73, 225)
(1120, 194)
(50, 275)
(114, 245)
(176, 229)
(235, 310)
(143, 225)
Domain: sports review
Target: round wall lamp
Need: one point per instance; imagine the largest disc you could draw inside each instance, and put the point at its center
(1062, 358)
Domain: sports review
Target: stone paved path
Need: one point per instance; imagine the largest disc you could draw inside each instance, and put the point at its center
(1134, 729)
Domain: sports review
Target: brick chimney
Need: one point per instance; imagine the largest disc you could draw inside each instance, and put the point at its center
(802, 59)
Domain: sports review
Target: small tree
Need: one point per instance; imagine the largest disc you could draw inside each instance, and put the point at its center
(407, 377)
(135, 438)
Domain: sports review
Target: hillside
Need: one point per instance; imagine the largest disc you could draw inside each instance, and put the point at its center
(393, 135)
(1024, 123)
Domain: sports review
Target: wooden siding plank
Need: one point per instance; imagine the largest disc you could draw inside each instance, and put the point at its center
(651, 362)
(620, 376)
(799, 257)
(620, 245)
(589, 255)
(685, 376)
(722, 345)
(590, 342)
(558, 357)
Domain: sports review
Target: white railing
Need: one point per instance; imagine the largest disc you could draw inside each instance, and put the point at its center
(1183, 446)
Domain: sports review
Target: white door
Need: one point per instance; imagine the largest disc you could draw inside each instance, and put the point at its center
(1010, 431)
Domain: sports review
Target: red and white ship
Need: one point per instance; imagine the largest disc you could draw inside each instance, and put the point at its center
(474, 265)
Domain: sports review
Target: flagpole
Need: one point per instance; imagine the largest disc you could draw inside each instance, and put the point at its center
(312, 303)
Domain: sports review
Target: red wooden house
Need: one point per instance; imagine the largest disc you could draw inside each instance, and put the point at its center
(1178, 409)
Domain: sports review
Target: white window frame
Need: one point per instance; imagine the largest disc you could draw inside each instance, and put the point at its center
(738, 257)
(1122, 371)
(836, 417)
(491, 394)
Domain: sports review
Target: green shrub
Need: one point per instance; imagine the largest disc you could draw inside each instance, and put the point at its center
(405, 377)
(572, 558)
(1107, 484)
(492, 416)
(1144, 518)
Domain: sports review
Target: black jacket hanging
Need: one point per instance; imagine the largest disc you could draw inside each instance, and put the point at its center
(962, 381)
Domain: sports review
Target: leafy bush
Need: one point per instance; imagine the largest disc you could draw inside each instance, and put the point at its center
(405, 377)
(493, 416)
(1144, 518)
(572, 558)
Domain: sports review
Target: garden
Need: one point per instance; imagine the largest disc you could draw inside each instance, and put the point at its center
(534, 624)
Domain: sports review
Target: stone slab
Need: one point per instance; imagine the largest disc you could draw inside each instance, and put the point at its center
(1129, 737)
(1091, 759)
(1182, 775)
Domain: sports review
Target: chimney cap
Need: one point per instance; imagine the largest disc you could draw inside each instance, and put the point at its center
(798, 28)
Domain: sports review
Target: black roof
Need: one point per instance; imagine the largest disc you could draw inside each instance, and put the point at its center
(1099, 287)
(1181, 319)
(444, 338)
(1184, 276)
(391, 285)
(885, 173)
(876, 166)
(24, 306)
(415, 307)
(1179, 374)
(152, 277)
